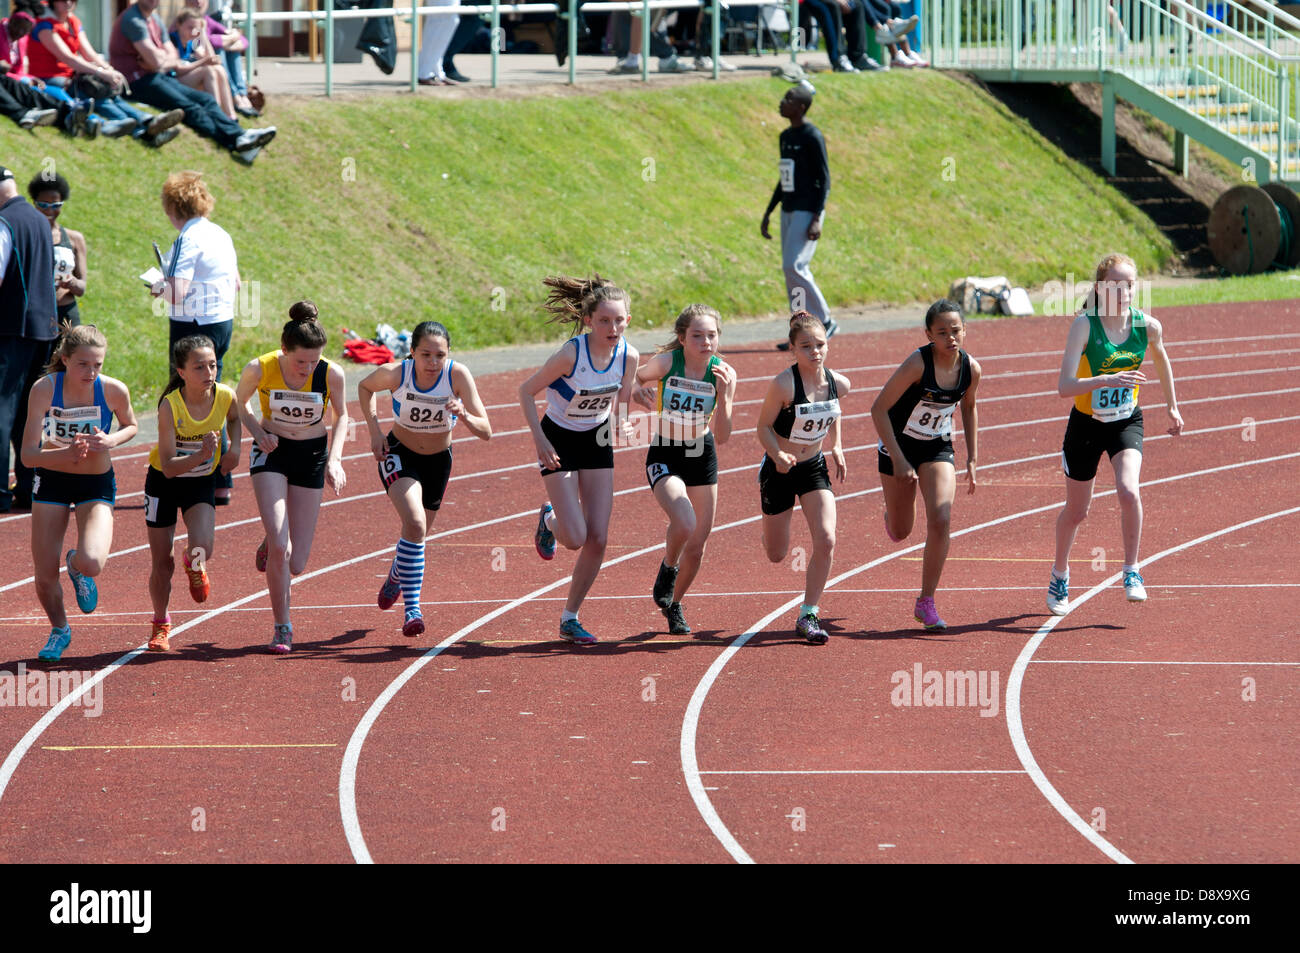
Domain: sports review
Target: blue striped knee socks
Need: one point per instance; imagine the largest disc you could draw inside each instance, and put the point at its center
(410, 571)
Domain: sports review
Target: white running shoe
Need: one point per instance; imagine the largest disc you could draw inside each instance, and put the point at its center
(1058, 595)
(1133, 587)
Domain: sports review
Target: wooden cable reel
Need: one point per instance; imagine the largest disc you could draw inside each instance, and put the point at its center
(1253, 229)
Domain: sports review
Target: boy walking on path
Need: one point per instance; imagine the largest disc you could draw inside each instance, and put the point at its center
(802, 188)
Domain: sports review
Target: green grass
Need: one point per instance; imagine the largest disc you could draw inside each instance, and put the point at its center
(1273, 286)
(458, 208)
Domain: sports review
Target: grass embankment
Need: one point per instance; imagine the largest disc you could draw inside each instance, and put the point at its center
(403, 208)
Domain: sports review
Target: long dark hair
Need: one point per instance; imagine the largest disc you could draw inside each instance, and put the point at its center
(181, 352)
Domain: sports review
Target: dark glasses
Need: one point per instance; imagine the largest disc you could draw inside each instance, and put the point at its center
(49, 205)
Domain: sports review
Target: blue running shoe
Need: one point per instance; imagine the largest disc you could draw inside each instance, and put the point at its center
(282, 641)
(572, 631)
(1058, 595)
(544, 538)
(87, 591)
(390, 590)
(59, 639)
(1133, 587)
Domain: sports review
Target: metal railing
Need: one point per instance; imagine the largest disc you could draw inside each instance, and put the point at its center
(566, 12)
(1236, 70)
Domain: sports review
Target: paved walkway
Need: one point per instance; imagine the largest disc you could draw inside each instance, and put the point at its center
(517, 74)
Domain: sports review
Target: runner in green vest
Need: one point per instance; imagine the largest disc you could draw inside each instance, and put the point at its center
(1101, 371)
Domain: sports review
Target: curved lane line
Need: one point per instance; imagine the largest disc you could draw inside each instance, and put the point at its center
(1015, 726)
(690, 721)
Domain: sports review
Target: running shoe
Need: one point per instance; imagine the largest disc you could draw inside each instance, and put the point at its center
(665, 582)
(87, 591)
(544, 539)
(926, 614)
(809, 628)
(572, 631)
(282, 641)
(198, 578)
(1058, 595)
(260, 558)
(390, 590)
(676, 621)
(1133, 587)
(414, 624)
(59, 639)
(160, 641)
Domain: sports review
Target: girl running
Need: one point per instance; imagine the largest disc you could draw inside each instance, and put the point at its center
(575, 442)
(913, 415)
(182, 474)
(1100, 370)
(430, 393)
(800, 412)
(293, 451)
(690, 382)
(66, 441)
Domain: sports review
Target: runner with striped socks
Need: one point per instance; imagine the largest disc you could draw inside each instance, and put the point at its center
(430, 393)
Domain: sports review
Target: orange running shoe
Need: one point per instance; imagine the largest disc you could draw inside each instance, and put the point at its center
(160, 641)
(199, 585)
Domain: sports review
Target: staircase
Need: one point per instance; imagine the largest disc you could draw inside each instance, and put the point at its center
(1228, 81)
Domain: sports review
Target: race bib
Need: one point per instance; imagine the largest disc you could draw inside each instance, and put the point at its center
(296, 408)
(787, 175)
(592, 403)
(186, 448)
(687, 401)
(812, 421)
(1113, 403)
(930, 421)
(424, 413)
(390, 469)
(63, 424)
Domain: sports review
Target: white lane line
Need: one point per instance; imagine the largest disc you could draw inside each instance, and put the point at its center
(243, 474)
(982, 358)
(870, 367)
(881, 771)
(633, 596)
(690, 721)
(1075, 661)
(339, 501)
(1016, 728)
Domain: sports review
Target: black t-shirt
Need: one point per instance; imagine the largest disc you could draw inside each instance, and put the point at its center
(805, 175)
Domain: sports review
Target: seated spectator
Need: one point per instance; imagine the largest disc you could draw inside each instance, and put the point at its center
(231, 44)
(49, 194)
(831, 24)
(60, 54)
(201, 67)
(891, 33)
(659, 46)
(23, 98)
(140, 49)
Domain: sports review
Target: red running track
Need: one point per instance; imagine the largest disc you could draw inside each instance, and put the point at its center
(510, 745)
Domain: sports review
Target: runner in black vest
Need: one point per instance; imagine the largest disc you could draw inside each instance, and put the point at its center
(913, 416)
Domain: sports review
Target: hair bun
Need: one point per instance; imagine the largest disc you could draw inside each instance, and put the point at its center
(303, 311)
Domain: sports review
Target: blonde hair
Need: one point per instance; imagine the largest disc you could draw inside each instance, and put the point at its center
(186, 194)
(574, 299)
(1090, 303)
(83, 335)
(684, 322)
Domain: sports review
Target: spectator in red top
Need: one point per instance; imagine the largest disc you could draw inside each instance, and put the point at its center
(140, 50)
(22, 102)
(60, 54)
